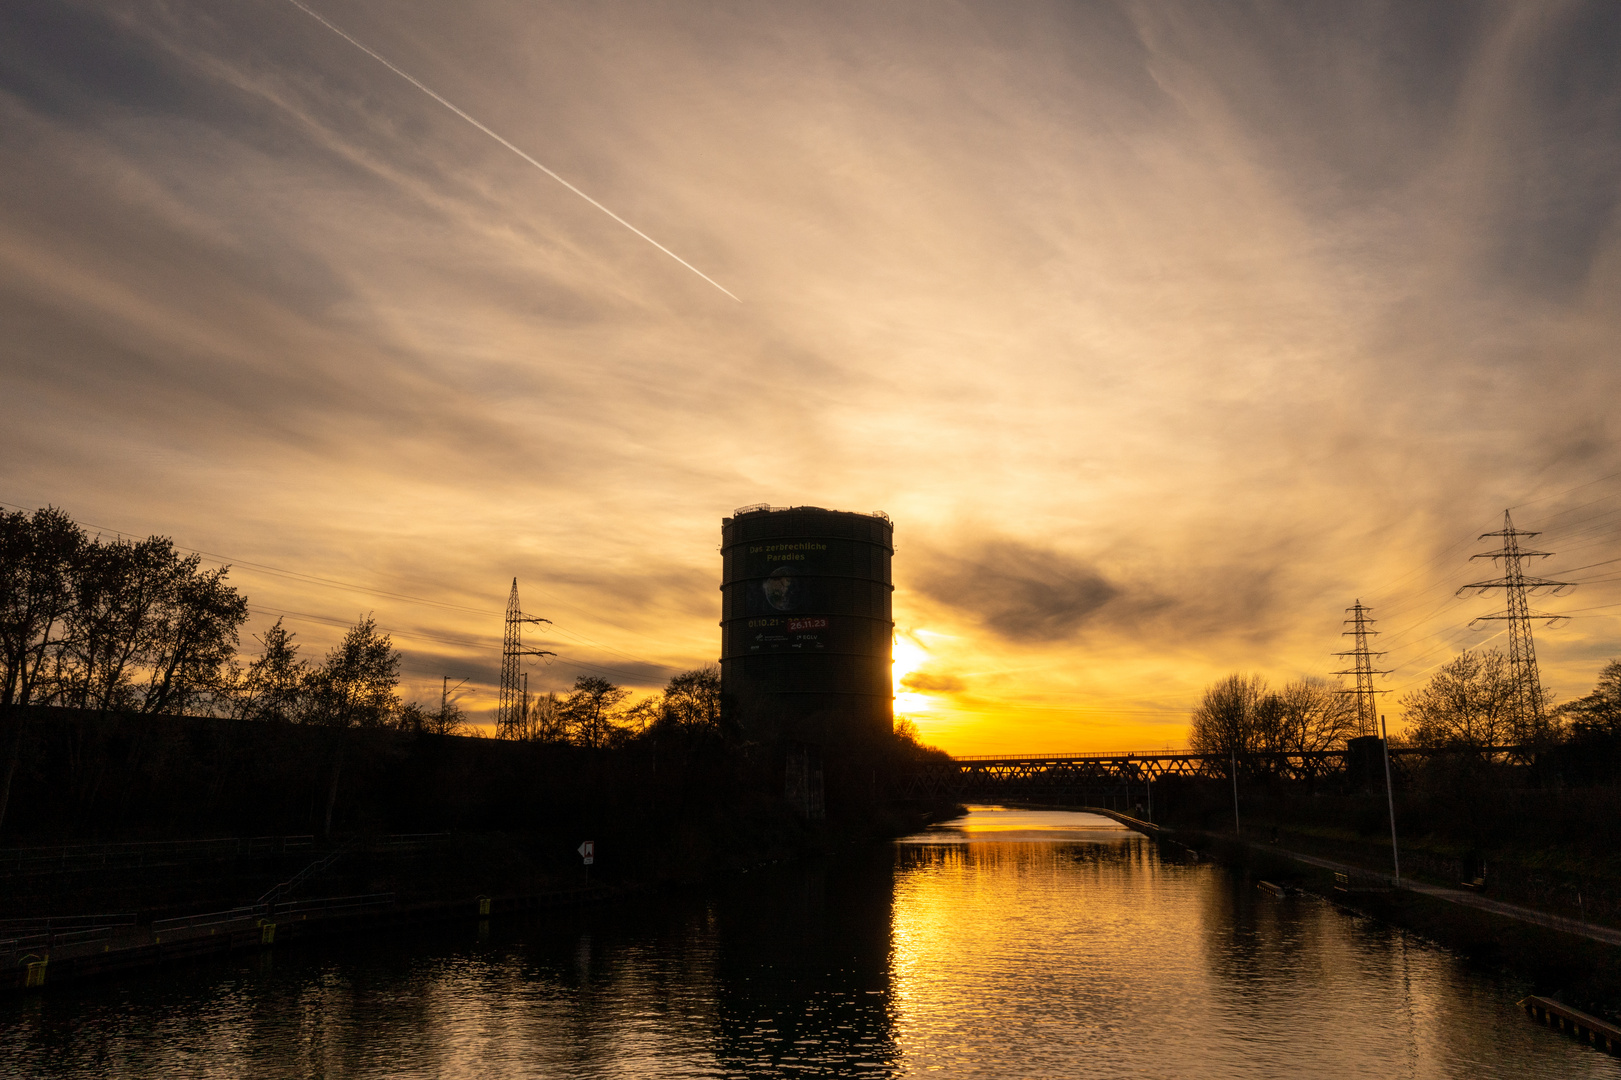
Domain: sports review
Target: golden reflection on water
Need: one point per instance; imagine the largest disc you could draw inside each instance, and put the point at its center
(1045, 944)
(1008, 944)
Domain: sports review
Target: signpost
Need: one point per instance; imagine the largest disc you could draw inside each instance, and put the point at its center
(588, 855)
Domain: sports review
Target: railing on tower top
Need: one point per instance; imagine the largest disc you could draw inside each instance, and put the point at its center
(753, 508)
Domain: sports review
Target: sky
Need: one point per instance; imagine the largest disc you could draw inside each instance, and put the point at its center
(1163, 331)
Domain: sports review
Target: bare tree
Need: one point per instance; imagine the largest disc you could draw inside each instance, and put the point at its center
(118, 587)
(1468, 703)
(1239, 714)
(192, 639)
(1598, 713)
(591, 710)
(691, 701)
(1316, 715)
(38, 554)
(637, 718)
(446, 719)
(1224, 719)
(545, 719)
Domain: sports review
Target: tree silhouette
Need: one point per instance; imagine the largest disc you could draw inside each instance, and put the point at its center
(590, 710)
(1224, 721)
(121, 626)
(37, 555)
(354, 687)
(1468, 703)
(1240, 715)
(274, 687)
(1598, 713)
(691, 701)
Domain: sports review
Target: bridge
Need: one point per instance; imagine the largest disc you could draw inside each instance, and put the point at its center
(1104, 777)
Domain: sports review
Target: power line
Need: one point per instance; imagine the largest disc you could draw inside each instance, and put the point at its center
(410, 635)
(1567, 491)
(1412, 679)
(1573, 528)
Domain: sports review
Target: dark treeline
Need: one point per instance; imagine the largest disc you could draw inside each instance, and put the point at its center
(135, 627)
(1471, 704)
(126, 710)
(1537, 826)
(122, 625)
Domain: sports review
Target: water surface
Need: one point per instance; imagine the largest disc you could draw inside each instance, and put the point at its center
(1005, 944)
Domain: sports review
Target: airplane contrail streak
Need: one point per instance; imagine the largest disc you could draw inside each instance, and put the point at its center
(429, 91)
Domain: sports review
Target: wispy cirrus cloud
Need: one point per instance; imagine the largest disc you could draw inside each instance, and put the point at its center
(1164, 331)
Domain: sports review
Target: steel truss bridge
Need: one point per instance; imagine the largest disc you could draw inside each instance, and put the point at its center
(1068, 776)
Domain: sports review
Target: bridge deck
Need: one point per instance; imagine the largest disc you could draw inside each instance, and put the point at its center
(1078, 773)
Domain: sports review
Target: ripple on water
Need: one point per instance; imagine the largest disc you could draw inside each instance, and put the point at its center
(1005, 944)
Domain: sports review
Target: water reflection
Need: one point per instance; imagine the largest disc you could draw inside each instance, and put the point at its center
(986, 824)
(803, 969)
(1008, 944)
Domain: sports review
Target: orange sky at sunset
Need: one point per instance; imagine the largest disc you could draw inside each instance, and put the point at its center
(1163, 332)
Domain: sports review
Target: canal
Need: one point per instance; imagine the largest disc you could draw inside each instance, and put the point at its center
(1004, 944)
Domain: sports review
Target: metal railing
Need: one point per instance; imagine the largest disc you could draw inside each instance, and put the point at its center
(278, 891)
(251, 913)
(63, 922)
(332, 905)
(53, 939)
(125, 856)
(405, 841)
(393, 844)
(122, 856)
(212, 918)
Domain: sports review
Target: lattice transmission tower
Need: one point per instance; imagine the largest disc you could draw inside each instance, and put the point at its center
(1367, 698)
(1528, 713)
(513, 704)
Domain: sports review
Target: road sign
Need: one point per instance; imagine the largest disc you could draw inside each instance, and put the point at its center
(588, 851)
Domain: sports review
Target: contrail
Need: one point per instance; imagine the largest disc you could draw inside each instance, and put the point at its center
(426, 90)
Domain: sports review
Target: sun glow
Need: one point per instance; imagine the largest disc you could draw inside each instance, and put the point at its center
(910, 657)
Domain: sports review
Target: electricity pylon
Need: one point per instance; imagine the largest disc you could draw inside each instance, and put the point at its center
(511, 705)
(1367, 698)
(1527, 715)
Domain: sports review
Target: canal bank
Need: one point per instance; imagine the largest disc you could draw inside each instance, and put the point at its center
(50, 958)
(99, 910)
(1572, 961)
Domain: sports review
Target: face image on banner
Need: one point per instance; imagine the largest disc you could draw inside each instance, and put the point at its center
(782, 590)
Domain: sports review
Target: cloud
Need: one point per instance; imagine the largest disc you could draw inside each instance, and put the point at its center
(1209, 319)
(1021, 592)
(924, 682)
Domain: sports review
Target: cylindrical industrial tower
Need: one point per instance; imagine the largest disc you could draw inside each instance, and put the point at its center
(807, 623)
